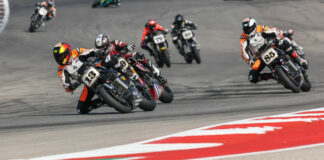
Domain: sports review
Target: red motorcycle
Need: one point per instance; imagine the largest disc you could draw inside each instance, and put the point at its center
(158, 85)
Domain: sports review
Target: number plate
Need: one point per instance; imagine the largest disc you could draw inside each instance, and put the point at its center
(269, 55)
(42, 11)
(74, 67)
(158, 39)
(187, 34)
(90, 76)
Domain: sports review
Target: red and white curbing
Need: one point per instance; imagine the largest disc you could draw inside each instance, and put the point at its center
(244, 137)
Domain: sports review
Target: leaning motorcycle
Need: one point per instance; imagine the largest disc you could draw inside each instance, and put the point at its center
(106, 84)
(105, 3)
(37, 19)
(189, 47)
(157, 85)
(148, 102)
(160, 49)
(285, 70)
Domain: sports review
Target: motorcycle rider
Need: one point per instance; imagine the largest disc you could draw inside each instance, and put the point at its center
(150, 27)
(250, 29)
(50, 6)
(64, 55)
(116, 47)
(177, 25)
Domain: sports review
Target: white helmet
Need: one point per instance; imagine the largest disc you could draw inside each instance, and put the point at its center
(102, 41)
(249, 26)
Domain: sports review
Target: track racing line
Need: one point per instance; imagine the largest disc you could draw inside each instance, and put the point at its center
(243, 137)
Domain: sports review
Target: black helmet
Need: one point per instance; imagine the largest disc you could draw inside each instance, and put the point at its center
(249, 26)
(102, 41)
(178, 19)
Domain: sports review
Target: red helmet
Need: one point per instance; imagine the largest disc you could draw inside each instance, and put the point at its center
(151, 24)
(62, 52)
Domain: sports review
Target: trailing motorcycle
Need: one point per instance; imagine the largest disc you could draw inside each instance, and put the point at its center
(158, 86)
(160, 48)
(105, 3)
(148, 101)
(285, 70)
(38, 18)
(189, 46)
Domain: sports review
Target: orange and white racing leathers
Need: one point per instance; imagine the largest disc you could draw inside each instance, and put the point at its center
(85, 103)
(249, 54)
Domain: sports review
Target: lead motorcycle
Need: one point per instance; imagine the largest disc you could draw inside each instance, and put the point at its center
(189, 47)
(37, 19)
(107, 84)
(285, 70)
(160, 49)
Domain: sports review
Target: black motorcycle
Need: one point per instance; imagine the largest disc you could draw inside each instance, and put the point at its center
(189, 46)
(160, 48)
(112, 89)
(285, 70)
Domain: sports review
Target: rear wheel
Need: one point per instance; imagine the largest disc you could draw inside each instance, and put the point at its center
(286, 80)
(166, 95)
(122, 108)
(148, 102)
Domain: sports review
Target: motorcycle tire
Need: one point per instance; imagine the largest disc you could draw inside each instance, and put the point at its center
(108, 99)
(196, 54)
(166, 95)
(306, 86)
(188, 58)
(286, 80)
(166, 58)
(159, 62)
(148, 102)
(31, 28)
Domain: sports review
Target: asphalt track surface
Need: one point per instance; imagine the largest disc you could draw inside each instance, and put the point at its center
(38, 118)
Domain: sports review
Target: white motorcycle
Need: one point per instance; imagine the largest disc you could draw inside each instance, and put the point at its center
(37, 19)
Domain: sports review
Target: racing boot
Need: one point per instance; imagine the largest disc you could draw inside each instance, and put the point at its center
(302, 62)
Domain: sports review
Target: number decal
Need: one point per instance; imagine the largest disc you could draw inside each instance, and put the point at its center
(269, 56)
(158, 39)
(90, 76)
(187, 34)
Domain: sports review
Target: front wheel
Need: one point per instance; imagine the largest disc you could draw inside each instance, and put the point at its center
(166, 95)
(166, 58)
(196, 54)
(148, 102)
(306, 86)
(286, 80)
(107, 98)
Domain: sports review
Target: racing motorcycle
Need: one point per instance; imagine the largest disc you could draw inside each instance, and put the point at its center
(285, 70)
(157, 85)
(105, 3)
(113, 89)
(37, 19)
(189, 47)
(148, 101)
(160, 49)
